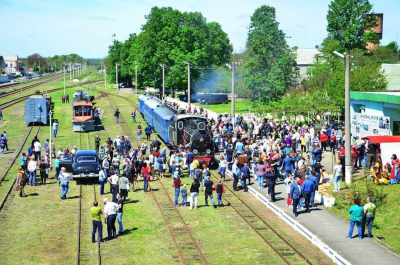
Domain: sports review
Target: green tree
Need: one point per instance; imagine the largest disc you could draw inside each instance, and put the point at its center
(328, 73)
(350, 23)
(172, 38)
(269, 70)
(114, 56)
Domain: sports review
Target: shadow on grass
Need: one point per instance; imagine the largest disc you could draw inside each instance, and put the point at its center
(99, 128)
(73, 197)
(32, 194)
(128, 231)
(133, 201)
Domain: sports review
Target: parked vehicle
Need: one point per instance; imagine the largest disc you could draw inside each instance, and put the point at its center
(4, 79)
(85, 164)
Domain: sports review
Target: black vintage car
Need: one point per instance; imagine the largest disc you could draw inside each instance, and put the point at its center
(85, 164)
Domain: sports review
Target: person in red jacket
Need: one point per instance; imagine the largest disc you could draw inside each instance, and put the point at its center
(220, 189)
(177, 185)
(332, 140)
(324, 140)
(146, 176)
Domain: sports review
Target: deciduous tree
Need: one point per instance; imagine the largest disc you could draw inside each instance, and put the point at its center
(350, 23)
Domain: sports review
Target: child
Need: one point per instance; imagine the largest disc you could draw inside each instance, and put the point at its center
(184, 195)
(222, 167)
(139, 132)
(153, 172)
(288, 182)
(220, 191)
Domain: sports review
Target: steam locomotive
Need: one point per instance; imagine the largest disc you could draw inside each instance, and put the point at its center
(177, 128)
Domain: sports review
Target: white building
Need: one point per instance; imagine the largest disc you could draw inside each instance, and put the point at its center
(305, 59)
(10, 63)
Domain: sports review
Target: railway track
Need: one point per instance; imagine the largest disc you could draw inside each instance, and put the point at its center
(84, 250)
(189, 252)
(20, 99)
(29, 87)
(6, 203)
(285, 250)
(16, 84)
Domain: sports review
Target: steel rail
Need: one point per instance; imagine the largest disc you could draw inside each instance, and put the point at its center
(263, 221)
(9, 168)
(170, 200)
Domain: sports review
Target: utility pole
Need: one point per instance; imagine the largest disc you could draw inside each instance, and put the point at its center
(105, 78)
(70, 71)
(136, 77)
(188, 64)
(347, 137)
(163, 81)
(64, 80)
(233, 94)
(21, 84)
(50, 116)
(116, 74)
(347, 123)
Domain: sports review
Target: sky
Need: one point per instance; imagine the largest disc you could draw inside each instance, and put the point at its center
(85, 27)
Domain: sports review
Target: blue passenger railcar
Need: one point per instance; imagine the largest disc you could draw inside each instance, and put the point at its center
(148, 109)
(163, 115)
(36, 110)
(142, 99)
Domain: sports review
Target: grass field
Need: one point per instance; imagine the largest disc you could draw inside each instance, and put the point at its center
(42, 229)
(386, 223)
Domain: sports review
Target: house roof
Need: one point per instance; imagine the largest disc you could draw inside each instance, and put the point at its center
(306, 56)
(392, 97)
(9, 57)
(392, 72)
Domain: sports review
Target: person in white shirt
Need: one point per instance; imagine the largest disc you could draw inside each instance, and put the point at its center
(312, 131)
(296, 139)
(37, 147)
(32, 172)
(117, 142)
(114, 186)
(110, 213)
(65, 177)
(307, 135)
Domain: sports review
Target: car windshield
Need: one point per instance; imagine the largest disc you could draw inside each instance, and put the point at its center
(65, 157)
(86, 159)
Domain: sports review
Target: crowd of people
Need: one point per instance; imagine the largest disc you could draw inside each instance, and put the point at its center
(262, 148)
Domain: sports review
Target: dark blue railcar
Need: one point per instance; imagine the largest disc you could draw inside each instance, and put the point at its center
(163, 115)
(148, 109)
(142, 99)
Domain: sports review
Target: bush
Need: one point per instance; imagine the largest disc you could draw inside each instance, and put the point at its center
(378, 195)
